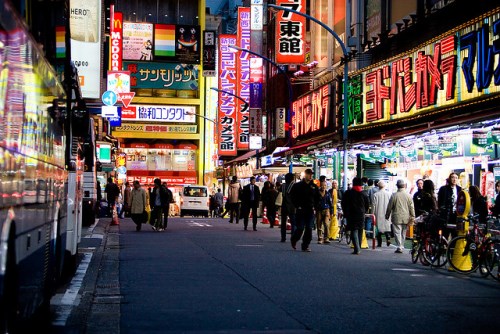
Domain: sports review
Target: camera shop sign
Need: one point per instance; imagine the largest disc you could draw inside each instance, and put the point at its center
(458, 66)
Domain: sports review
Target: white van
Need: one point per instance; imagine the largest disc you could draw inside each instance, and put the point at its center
(195, 201)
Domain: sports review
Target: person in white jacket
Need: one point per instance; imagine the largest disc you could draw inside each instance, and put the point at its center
(401, 211)
(380, 202)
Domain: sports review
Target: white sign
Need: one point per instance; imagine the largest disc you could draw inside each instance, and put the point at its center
(109, 111)
(85, 24)
(160, 113)
(255, 142)
(280, 118)
(256, 16)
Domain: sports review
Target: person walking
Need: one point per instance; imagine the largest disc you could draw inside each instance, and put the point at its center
(219, 202)
(112, 193)
(336, 195)
(126, 200)
(250, 198)
(447, 200)
(417, 197)
(304, 197)
(287, 207)
(380, 202)
(233, 200)
(138, 203)
(159, 202)
(479, 204)
(269, 201)
(400, 210)
(355, 205)
(166, 206)
(324, 210)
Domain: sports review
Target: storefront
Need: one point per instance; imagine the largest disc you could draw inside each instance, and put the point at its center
(432, 110)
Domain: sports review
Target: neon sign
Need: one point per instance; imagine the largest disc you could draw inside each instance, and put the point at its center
(455, 68)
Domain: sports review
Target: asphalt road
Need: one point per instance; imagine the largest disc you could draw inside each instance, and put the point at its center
(209, 276)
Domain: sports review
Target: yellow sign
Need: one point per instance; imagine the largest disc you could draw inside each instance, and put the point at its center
(157, 128)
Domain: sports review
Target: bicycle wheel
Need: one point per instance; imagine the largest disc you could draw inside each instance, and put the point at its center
(491, 258)
(462, 255)
(435, 251)
(341, 232)
(414, 251)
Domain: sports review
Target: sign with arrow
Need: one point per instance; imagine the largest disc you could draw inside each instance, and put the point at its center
(126, 98)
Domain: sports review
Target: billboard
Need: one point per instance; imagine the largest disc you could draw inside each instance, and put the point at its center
(290, 33)
(137, 41)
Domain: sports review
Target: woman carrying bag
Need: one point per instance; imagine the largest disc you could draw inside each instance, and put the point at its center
(138, 205)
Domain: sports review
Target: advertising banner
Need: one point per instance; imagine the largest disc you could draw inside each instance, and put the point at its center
(243, 65)
(228, 130)
(164, 41)
(209, 53)
(137, 41)
(162, 75)
(159, 113)
(187, 44)
(116, 38)
(85, 24)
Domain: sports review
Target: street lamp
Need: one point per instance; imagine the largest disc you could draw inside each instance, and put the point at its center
(290, 92)
(345, 83)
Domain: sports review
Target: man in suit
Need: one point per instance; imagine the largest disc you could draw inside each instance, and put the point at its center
(250, 201)
(447, 200)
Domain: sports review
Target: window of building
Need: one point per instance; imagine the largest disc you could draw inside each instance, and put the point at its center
(159, 11)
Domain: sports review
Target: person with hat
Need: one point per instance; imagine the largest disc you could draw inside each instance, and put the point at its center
(401, 211)
(305, 196)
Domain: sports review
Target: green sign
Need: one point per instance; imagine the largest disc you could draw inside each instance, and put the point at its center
(482, 138)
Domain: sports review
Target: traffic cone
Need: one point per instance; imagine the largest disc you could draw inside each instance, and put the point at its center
(364, 242)
(264, 217)
(277, 220)
(288, 224)
(115, 220)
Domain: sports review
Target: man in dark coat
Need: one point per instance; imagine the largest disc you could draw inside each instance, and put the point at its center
(355, 204)
(447, 200)
(112, 193)
(159, 200)
(305, 198)
(250, 198)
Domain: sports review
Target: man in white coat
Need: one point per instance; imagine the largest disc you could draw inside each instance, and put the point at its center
(380, 202)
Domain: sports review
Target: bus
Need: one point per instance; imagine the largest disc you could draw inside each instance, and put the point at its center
(41, 168)
(90, 205)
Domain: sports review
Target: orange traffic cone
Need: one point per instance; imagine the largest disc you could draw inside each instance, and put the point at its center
(264, 217)
(277, 220)
(115, 220)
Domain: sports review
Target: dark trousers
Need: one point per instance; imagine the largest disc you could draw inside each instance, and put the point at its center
(246, 212)
(156, 217)
(357, 236)
(379, 237)
(304, 222)
(234, 212)
(271, 215)
(284, 215)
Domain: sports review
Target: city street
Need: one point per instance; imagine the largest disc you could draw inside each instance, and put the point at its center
(208, 276)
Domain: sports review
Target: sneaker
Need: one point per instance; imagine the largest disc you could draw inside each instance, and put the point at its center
(320, 241)
(154, 228)
(294, 244)
(326, 241)
(160, 229)
(399, 251)
(307, 250)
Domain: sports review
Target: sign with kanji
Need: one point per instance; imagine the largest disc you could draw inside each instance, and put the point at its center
(243, 65)
(290, 33)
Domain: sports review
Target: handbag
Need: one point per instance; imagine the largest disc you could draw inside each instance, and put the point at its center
(279, 199)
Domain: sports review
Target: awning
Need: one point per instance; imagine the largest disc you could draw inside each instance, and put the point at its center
(299, 148)
(244, 157)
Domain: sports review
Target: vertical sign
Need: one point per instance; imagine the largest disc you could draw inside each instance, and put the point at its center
(290, 33)
(227, 104)
(116, 40)
(85, 29)
(243, 66)
(280, 118)
(208, 53)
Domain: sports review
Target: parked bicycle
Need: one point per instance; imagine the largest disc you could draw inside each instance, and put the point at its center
(475, 250)
(429, 245)
(344, 233)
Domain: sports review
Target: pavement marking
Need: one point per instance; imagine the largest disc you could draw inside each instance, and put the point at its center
(404, 269)
(193, 223)
(260, 245)
(64, 303)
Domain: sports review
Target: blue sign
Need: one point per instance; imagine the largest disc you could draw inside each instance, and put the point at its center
(109, 98)
(116, 121)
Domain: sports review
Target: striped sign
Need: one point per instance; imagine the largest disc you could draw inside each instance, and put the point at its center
(164, 40)
(60, 42)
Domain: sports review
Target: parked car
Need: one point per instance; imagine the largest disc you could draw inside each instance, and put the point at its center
(195, 201)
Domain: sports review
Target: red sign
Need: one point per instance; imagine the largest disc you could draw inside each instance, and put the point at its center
(290, 32)
(146, 180)
(126, 98)
(243, 66)
(116, 40)
(311, 113)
